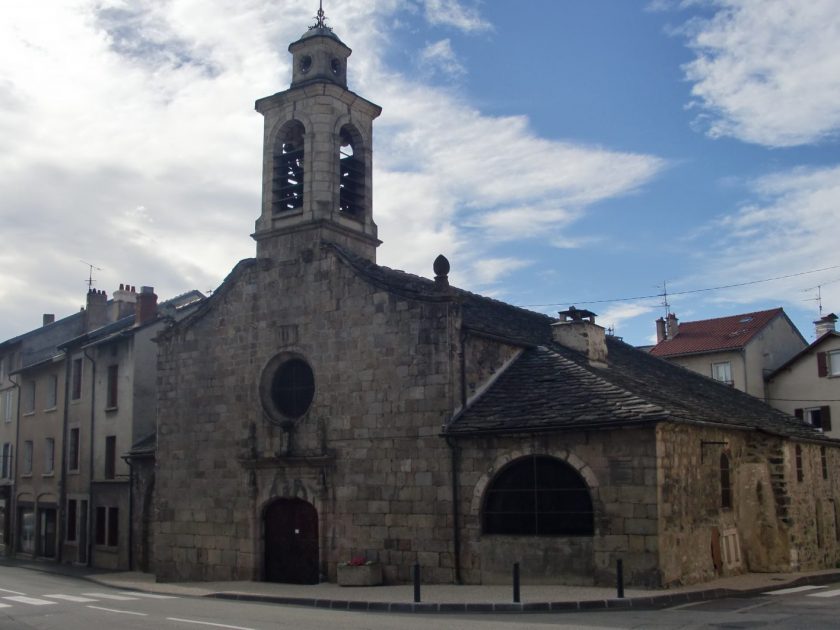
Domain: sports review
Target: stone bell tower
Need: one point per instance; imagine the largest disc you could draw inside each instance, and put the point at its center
(317, 155)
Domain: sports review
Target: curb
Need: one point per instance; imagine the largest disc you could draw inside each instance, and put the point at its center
(639, 603)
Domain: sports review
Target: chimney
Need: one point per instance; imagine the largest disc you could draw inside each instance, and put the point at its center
(96, 310)
(578, 331)
(672, 326)
(49, 318)
(145, 306)
(660, 330)
(825, 324)
(123, 303)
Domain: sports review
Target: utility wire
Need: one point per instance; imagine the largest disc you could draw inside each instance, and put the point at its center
(659, 295)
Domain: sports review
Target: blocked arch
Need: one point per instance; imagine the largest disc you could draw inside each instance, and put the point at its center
(573, 464)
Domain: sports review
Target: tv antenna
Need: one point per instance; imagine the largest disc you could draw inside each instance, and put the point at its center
(818, 289)
(91, 269)
(664, 296)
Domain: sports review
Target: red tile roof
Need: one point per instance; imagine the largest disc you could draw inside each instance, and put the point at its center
(710, 335)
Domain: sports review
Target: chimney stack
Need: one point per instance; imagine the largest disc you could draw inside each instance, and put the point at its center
(826, 324)
(123, 303)
(49, 318)
(672, 326)
(96, 310)
(660, 330)
(578, 331)
(145, 306)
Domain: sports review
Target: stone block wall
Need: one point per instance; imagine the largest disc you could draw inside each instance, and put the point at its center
(367, 454)
(618, 466)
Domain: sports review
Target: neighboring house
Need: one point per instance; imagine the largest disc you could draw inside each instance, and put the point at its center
(319, 407)
(808, 385)
(68, 486)
(9, 356)
(738, 350)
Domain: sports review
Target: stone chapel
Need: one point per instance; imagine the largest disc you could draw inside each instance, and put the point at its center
(320, 407)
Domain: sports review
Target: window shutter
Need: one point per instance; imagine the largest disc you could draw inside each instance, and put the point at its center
(799, 414)
(825, 417)
(822, 364)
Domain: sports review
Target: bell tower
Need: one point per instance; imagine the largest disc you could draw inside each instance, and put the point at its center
(317, 155)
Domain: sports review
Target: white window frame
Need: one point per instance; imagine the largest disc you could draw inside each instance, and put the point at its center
(833, 360)
(808, 416)
(52, 392)
(726, 366)
(29, 393)
(28, 455)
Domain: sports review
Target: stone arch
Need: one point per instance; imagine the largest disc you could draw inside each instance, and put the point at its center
(288, 171)
(352, 172)
(290, 535)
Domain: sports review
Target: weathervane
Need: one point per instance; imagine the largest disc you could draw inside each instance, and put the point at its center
(320, 18)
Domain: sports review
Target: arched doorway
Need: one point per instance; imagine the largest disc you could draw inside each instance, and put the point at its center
(291, 542)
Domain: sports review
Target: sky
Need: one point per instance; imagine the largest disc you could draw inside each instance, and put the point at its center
(596, 153)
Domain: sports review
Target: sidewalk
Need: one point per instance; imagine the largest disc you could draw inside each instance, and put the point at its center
(445, 597)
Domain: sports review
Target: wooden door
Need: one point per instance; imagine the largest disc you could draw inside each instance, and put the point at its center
(291, 542)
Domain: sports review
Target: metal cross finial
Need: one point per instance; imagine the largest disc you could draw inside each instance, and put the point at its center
(320, 18)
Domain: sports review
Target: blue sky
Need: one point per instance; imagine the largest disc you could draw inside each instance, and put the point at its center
(556, 151)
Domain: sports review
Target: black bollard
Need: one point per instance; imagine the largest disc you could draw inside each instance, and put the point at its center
(515, 582)
(619, 578)
(416, 574)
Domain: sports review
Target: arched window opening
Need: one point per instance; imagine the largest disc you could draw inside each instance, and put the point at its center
(351, 177)
(538, 496)
(725, 482)
(287, 183)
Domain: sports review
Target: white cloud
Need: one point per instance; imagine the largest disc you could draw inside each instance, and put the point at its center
(766, 71)
(439, 57)
(490, 270)
(789, 227)
(617, 315)
(128, 139)
(453, 13)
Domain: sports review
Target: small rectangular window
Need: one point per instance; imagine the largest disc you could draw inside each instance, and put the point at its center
(113, 526)
(101, 525)
(29, 397)
(52, 392)
(824, 462)
(7, 408)
(722, 372)
(49, 456)
(800, 473)
(72, 516)
(76, 385)
(113, 373)
(110, 456)
(27, 457)
(73, 450)
(813, 416)
(7, 460)
(834, 363)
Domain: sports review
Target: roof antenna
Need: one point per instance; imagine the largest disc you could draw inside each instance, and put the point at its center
(91, 269)
(664, 296)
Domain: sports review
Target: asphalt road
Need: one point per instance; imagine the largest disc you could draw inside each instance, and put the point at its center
(37, 600)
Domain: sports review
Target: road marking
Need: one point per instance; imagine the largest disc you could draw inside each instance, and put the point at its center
(5, 605)
(833, 593)
(121, 598)
(795, 589)
(152, 595)
(32, 601)
(207, 623)
(121, 612)
(5, 590)
(753, 607)
(71, 598)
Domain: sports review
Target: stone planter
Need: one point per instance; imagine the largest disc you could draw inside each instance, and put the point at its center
(362, 575)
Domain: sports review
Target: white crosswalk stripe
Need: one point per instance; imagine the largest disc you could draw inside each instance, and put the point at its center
(149, 595)
(32, 601)
(121, 598)
(70, 598)
(794, 589)
(833, 593)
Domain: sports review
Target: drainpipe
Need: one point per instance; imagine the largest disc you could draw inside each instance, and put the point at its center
(13, 524)
(91, 505)
(127, 460)
(456, 532)
(62, 480)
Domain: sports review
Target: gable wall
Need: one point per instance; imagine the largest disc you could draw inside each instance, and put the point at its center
(367, 454)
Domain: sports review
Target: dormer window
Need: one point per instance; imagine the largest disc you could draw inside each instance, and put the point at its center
(351, 175)
(287, 183)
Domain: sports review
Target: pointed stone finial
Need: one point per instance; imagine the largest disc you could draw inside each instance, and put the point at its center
(441, 269)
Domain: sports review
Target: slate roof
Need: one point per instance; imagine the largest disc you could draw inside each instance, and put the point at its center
(550, 387)
(712, 335)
